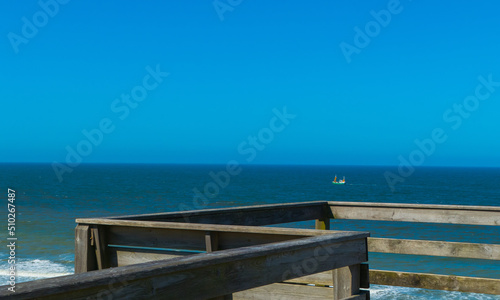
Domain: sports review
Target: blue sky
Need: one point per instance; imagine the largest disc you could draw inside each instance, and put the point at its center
(231, 65)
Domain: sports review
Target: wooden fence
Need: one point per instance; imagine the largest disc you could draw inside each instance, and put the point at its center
(215, 275)
(155, 257)
(227, 254)
(450, 214)
(323, 212)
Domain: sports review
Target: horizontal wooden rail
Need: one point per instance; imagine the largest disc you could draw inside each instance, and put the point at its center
(130, 236)
(208, 275)
(436, 282)
(257, 215)
(434, 248)
(179, 230)
(452, 214)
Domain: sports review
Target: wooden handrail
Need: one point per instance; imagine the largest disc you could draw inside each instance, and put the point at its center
(208, 275)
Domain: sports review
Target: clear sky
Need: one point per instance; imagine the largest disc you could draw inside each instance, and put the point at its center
(321, 82)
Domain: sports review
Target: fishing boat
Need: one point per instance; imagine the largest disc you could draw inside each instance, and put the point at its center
(338, 182)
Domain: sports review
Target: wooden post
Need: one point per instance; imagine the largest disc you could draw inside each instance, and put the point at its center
(212, 241)
(85, 259)
(99, 239)
(346, 282)
(323, 224)
(212, 244)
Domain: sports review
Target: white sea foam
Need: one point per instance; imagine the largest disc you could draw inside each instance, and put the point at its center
(27, 270)
(382, 292)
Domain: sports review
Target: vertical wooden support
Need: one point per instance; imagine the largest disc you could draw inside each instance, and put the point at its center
(85, 259)
(323, 224)
(346, 282)
(364, 273)
(211, 241)
(212, 244)
(99, 239)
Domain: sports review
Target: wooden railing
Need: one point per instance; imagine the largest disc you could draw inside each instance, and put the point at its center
(449, 214)
(323, 212)
(227, 254)
(215, 275)
(161, 257)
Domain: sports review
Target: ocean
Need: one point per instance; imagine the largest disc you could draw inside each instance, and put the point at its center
(46, 209)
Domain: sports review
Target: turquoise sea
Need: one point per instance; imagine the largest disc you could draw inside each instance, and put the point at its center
(46, 209)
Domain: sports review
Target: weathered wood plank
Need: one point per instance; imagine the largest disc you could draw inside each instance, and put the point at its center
(363, 295)
(346, 282)
(436, 282)
(364, 280)
(100, 246)
(85, 259)
(326, 278)
(205, 275)
(434, 248)
(187, 236)
(256, 215)
(453, 214)
(283, 291)
(201, 227)
(119, 257)
(212, 241)
(323, 278)
(323, 224)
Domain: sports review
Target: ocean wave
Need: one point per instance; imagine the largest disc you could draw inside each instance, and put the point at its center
(33, 269)
(380, 292)
(35, 275)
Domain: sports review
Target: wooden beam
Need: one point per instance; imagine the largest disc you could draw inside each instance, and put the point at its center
(453, 214)
(85, 259)
(212, 241)
(119, 257)
(99, 238)
(436, 282)
(326, 278)
(172, 235)
(204, 275)
(346, 282)
(322, 224)
(318, 279)
(364, 280)
(256, 215)
(199, 227)
(363, 295)
(283, 291)
(434, 248)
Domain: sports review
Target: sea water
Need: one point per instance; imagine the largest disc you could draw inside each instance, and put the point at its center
(46, 208)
